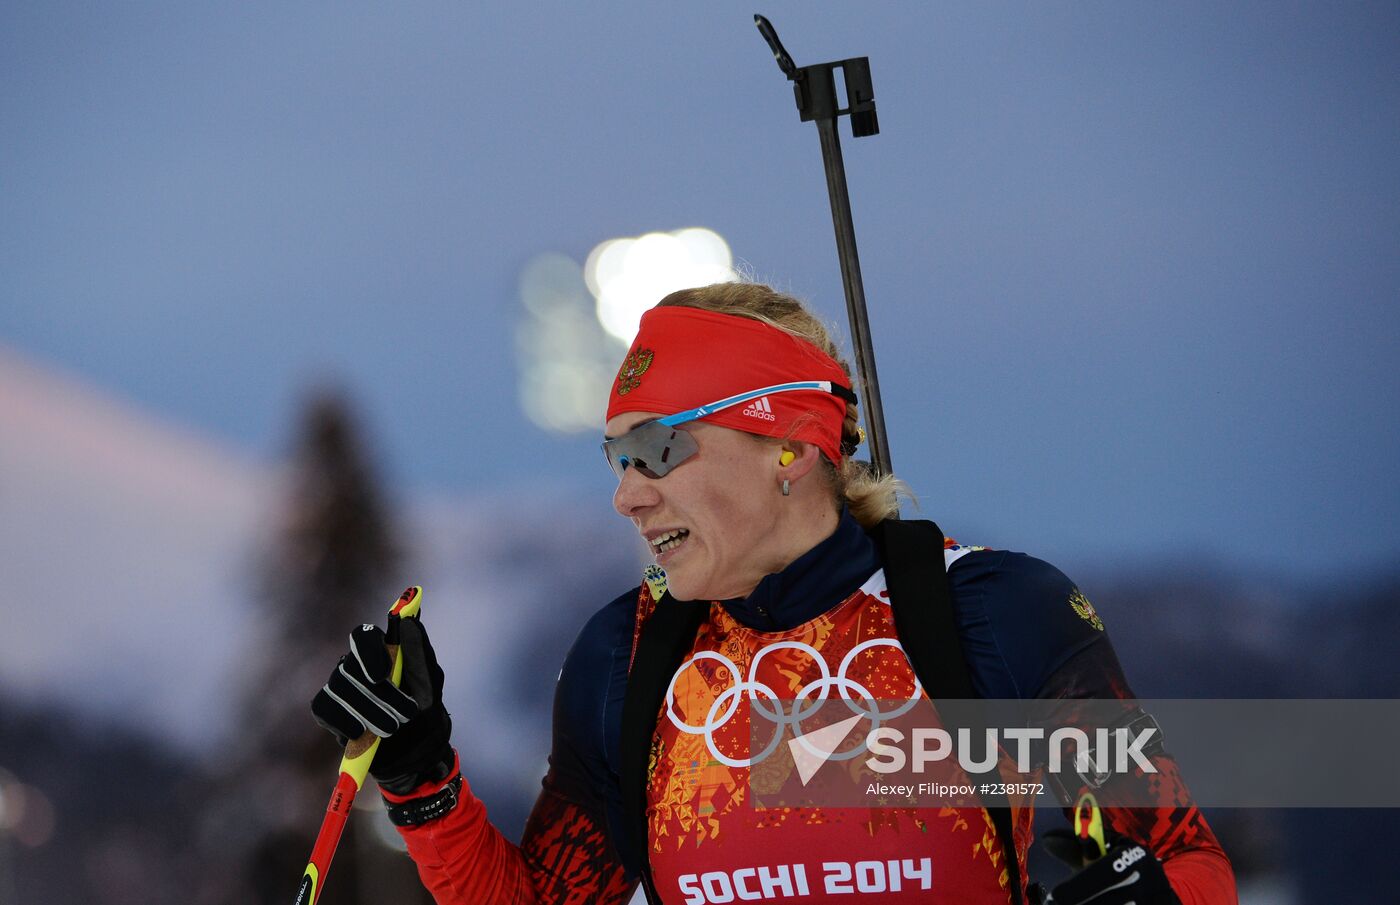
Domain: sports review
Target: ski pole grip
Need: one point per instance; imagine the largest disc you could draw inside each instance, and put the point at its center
(407, 605)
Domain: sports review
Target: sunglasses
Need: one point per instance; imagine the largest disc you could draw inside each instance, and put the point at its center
(656, 447)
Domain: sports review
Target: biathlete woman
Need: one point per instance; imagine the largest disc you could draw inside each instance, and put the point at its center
(731, 426)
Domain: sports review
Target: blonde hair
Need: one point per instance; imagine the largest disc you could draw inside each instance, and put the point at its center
(871, 497)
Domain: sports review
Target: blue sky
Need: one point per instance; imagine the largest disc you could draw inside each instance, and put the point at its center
(1133, 268)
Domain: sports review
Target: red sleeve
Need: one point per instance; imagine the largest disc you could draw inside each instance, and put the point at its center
(564, 856)
(1201, 877)
(1176, 832)
(1195, 864)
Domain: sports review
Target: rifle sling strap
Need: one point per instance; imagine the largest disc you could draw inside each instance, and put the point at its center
(922, 602)
(667, 636)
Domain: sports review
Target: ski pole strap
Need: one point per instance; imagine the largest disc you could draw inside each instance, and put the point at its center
(417, 811)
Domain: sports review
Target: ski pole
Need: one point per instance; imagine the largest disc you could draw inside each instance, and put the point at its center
(1088, 826)
(1088, 832)
(815, 89)
(354, 766)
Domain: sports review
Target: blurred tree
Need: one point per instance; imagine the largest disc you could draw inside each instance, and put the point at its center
(333, 563)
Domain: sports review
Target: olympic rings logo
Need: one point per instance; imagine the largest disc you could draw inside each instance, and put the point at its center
(808, 701)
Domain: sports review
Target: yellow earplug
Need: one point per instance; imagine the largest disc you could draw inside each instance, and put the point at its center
(787, 458)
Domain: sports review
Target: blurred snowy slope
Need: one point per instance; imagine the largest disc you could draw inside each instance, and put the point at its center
(122, 541)
(129, 551)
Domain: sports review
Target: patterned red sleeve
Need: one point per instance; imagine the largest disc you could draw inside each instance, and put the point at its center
(570, 858)
(1196, 865)
(563, 859)
(1176, 832)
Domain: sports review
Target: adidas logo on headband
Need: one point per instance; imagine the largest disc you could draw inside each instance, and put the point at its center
(759, 408)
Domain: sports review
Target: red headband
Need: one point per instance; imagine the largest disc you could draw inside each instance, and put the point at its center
(687, 357)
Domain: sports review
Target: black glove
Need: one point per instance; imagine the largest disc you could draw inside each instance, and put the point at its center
(416, 729)
(1128, 874)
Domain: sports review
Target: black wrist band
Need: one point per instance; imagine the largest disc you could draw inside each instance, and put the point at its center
(430, 807)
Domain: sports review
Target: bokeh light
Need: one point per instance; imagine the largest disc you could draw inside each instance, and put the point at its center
(568, 346)
(628, 276)
(26, 813)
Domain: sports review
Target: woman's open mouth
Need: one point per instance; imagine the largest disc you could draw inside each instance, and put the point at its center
(665, 543)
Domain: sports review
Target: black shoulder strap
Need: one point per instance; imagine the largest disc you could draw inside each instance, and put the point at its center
(922, 603)
(667, 637)
(923, 606)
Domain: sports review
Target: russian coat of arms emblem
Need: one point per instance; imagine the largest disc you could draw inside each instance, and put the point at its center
(629, 376)
(1085, 609)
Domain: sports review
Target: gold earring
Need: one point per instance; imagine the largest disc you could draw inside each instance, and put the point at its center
(787, 458)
